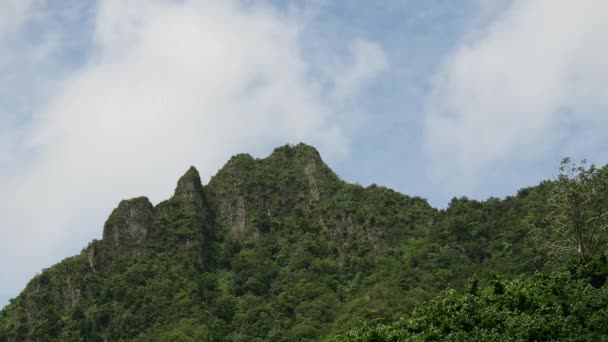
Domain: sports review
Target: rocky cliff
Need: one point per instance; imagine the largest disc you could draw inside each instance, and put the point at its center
(270, 249)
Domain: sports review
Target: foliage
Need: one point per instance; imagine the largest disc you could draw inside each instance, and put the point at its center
(281, 249)
(543, 307)
(578, 223)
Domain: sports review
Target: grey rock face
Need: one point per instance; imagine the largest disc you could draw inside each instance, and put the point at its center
(129, 224)
(189, 187)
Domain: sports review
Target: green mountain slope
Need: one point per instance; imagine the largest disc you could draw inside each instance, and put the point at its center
(545, 307)
(272, 249)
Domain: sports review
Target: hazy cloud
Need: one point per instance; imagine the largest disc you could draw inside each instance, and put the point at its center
(530, 82)
(368, 61)
(168, 84)
(12, 15)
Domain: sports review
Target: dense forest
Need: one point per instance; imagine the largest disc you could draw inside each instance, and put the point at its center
(281, 249)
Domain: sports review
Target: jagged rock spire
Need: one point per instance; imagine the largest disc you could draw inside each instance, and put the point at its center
(129, 224)
(190, 188)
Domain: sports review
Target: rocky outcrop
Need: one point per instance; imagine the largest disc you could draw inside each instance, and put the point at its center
(189, 187)
(313, 184)
(129, 224)
(247, 193)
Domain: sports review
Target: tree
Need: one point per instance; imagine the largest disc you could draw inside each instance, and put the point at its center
(578, 221)
(543, 307)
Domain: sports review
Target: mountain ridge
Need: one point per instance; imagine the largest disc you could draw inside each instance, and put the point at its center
(278, 248)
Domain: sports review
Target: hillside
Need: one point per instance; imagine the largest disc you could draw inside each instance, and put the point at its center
(277, 249)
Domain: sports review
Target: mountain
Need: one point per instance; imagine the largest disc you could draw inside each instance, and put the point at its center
(278, 248)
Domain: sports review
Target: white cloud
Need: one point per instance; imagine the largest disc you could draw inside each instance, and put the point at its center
(12, 15)
(513, 90)
(169, 84)
(369, 60)
(27, 64)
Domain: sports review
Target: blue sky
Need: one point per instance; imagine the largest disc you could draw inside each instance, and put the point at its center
(106, 100)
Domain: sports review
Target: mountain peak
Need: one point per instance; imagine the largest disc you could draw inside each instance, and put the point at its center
(281, 235)
(299, 150)
(129, 223)
(189, 187)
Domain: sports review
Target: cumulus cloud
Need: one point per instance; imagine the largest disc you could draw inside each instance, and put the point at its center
(168, 84)
(29, 45)
(13, 13)
(529, 83)
(369, 60)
